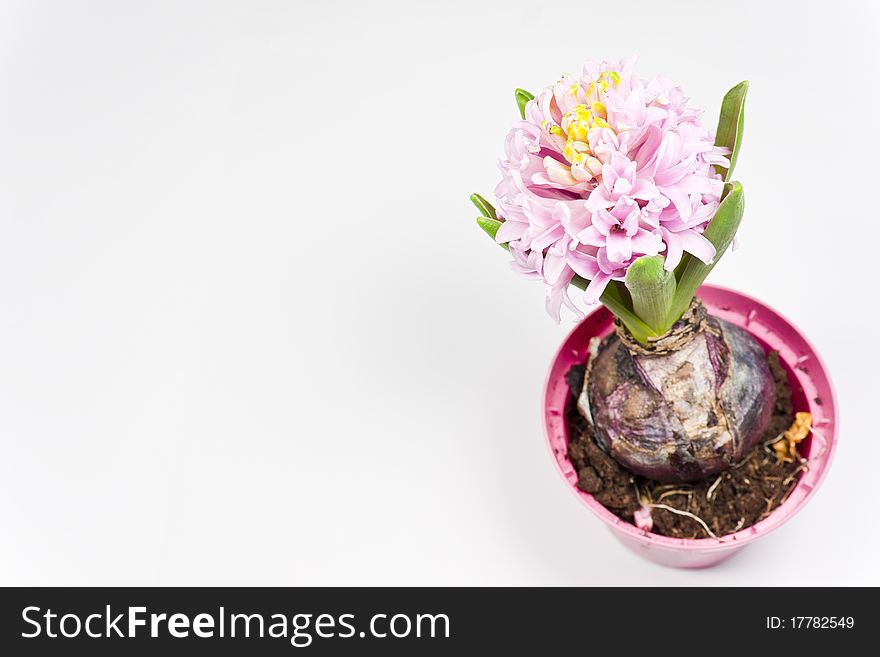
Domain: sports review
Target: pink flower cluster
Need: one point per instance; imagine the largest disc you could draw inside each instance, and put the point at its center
(604, 169)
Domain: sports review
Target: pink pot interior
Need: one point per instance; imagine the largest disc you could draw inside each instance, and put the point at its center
(811, 391)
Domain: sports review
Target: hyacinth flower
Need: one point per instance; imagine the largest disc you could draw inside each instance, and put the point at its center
(611, 185)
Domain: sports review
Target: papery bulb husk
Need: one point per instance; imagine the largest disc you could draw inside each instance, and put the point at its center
(688, 406)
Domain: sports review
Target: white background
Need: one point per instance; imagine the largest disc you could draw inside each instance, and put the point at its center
(251, 334)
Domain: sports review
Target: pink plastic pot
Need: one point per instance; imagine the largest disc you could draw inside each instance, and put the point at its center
(811, 391)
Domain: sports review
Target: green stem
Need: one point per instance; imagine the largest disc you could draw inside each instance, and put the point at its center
(613, 300)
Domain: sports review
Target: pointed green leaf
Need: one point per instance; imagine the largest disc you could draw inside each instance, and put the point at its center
(483, 206)
(651, 288)
(490, 227)
(730, 125)
(522, 97)
(720, 232)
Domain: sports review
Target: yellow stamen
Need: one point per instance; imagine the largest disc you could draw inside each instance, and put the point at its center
(577, 123)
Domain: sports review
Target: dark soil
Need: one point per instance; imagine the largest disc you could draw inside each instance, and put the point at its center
(740, 497)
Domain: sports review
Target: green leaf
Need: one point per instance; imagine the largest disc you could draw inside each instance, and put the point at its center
(720, 232)
(522, 97)
(489, 222)
(730, 125)
(490, 227)
(483, 206)
(613, 300)
(651, 288)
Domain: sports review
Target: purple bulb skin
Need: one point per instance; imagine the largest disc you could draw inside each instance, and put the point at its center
(683, 415)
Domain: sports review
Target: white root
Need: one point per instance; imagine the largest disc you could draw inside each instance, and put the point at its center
(676, 491)
(689, 515)
(645, 501)
(711, 491)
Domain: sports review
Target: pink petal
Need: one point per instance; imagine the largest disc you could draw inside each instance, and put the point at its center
(558, 296)
(599, 199)
(635, 105)
(573, 221)
(596, 287)
(547, 238)
(646, 242)
(510, 230)
(618, 246)
(697, 245)
(554, 265)
(631, 223)
(606, 265)
(647, 153)
(604, 222)
(673, 174)
(609, 176)
(679, 199)
(590, 235)
(673, 249)
(561, 213)
(644, 190)
(703, 213)
(622, 186)
(583, 265)
(621, 165)
(697, 184)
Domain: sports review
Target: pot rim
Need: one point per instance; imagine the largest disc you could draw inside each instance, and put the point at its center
(795, 350)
